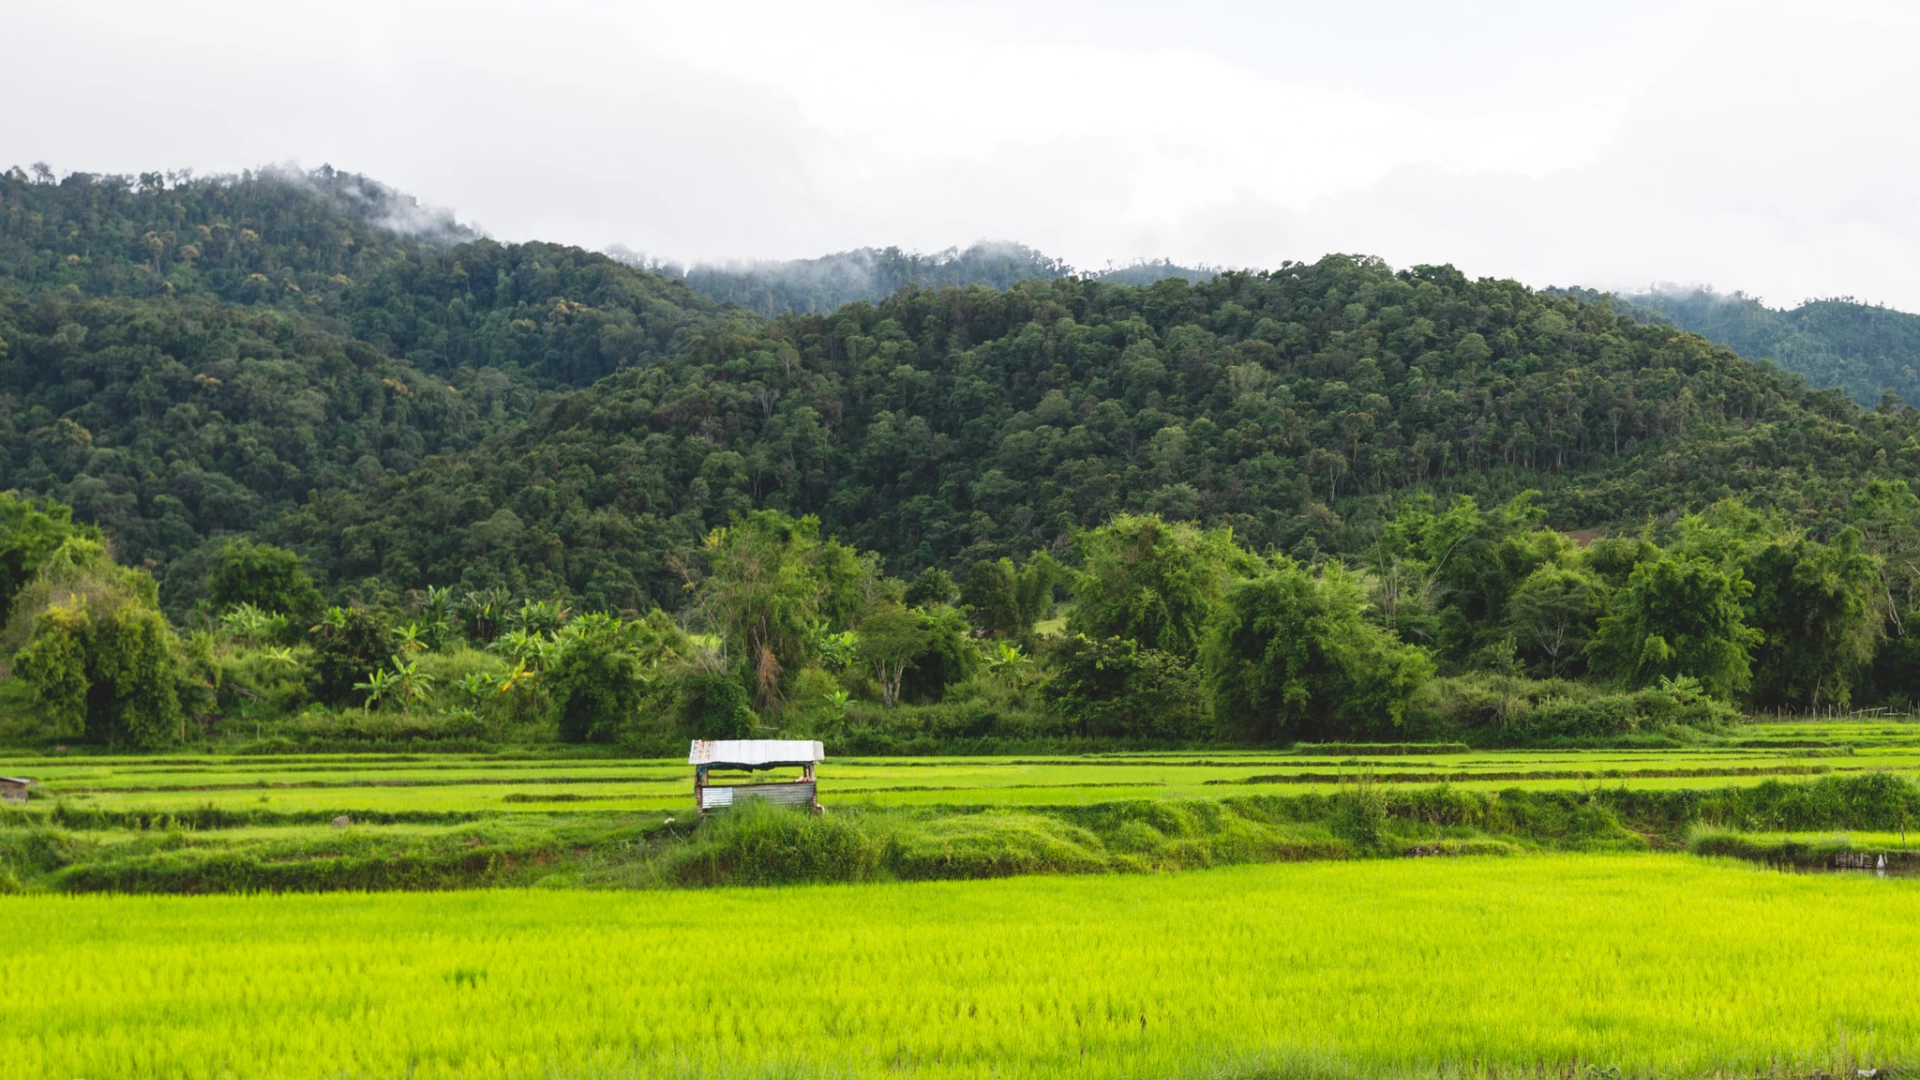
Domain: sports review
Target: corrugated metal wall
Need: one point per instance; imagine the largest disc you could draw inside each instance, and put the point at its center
(796, 794)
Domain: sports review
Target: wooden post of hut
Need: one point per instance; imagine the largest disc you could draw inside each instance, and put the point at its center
(753, 755)
(13, 789)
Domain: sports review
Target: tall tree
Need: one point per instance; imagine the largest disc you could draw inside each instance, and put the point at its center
(762, 594)
(1154, 581)
(100, 658)
(1678, 615)
(1292, 655)
(1554, 612)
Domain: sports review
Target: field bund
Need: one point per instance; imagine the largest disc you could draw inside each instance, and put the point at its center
(1542, 965)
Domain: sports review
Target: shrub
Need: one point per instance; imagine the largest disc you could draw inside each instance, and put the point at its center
(1360, 815)
(99, 656)
(269, 578)
(712, 705)
(755, 843)
(595, 676)
(1115, 687)
(348, 643)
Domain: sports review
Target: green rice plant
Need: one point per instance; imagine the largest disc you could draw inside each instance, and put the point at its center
(1566, 966)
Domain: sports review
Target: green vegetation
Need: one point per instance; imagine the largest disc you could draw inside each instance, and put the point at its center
(1865, 350)
(426, 487)
(1250, 971)
(1482, 627)
(347, 551)
(586, 818)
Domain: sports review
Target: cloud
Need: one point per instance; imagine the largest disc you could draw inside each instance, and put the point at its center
(1759, 147)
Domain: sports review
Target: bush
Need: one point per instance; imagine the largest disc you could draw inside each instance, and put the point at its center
(712, 705)
(594, 680)
(99, 656)
(347, 644)
(755, 843)
(262, 683)
(1116, 688)
(1516, 709)
(947, 658)
(1360, 815)
(270, 578)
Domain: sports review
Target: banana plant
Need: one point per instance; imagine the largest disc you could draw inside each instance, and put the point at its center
(476, 685)
(412, 637)
(251, 626)
(410, 684)
(379, 687)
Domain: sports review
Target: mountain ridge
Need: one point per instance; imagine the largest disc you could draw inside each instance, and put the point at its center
(408, 412)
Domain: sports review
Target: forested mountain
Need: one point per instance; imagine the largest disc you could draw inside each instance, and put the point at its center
(1328, 500)
(939, 427)
(1863, 349)
(315, 359)
(825, 284)
(189, 359)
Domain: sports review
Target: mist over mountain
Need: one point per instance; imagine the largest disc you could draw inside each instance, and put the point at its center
(817, 286)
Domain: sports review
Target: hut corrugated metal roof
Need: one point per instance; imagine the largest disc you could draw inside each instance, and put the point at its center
(756, 753)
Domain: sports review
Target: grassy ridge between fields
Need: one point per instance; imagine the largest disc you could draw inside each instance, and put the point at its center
(216, 850)
(1558, 966)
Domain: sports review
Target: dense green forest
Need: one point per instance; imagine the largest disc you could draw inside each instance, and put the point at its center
(942, 427)
(291, 444)
(1863, 349)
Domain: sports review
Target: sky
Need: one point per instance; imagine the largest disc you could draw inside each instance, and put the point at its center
(1766, 147)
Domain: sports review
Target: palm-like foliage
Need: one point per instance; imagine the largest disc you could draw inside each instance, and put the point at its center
(378, 687)
(251, 626)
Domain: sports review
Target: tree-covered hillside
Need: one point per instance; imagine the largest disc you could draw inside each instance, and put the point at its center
(941, 427)
(185, 360)
(286, 449)
(316, 359)
(1863, 349)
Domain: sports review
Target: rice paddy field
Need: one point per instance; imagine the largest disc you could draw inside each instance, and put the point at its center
(454, 783)
(1541, 963)
(1658, 965)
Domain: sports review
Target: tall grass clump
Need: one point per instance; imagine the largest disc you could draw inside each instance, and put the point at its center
(756, 843)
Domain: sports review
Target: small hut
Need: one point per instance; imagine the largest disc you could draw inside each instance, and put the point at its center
(13, 789)
(753, 755)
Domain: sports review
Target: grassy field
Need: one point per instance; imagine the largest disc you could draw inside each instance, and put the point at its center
(452, 783)
(1658, 965)
(1587, 949)
(196, 823)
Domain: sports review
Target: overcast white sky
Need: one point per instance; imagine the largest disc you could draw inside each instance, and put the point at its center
(1769, 147)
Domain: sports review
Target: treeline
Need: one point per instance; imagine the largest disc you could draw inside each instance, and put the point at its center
(1461, 623)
